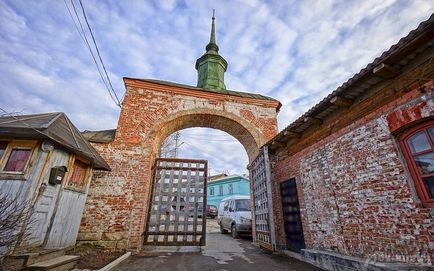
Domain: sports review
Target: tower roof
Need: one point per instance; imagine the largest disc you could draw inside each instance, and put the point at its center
(211, 66)
(212, 45)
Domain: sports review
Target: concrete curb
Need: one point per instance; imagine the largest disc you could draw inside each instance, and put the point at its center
(115, 262)
(299, 257)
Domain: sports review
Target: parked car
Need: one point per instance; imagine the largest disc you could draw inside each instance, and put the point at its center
(234, 215)
(211, 211)
(191, 210)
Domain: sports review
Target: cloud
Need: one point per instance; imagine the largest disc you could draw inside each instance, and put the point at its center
(233, 160)
(295, 51)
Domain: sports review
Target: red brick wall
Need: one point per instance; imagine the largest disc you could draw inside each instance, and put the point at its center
(117, 205)
(355, 192)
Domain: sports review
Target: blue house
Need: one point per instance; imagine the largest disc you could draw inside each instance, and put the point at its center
(225, 186)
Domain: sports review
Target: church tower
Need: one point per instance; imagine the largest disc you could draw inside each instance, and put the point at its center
(211, 66)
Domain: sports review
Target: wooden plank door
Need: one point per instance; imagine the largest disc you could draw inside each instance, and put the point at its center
(291, 215)
(46, 202)
(175, 218)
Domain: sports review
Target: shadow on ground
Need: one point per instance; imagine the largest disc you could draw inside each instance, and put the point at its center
(221, 252)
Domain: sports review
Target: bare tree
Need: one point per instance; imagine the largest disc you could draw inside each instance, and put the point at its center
(13, 214)
(8, 114)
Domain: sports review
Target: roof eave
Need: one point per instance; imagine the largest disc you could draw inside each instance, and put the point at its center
(129, 81)
(390, 57)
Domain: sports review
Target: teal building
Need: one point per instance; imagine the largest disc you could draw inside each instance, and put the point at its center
(218, 189)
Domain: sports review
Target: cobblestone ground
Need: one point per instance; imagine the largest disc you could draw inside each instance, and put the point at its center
(221, 252)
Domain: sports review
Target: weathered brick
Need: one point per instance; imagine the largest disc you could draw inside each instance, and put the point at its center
(356, 194)
(117, 204)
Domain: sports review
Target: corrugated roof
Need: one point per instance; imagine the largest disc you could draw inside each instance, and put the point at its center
(224, 91)
(56, 127)
(398, 55)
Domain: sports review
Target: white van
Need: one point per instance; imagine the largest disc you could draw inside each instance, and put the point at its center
(235, 215)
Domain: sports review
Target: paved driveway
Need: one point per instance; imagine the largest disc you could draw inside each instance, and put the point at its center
(222, 252)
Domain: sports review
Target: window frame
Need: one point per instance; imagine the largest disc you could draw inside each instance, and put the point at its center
(211, 191)
(421, 189)
(68, 185)
(22, 144)
(226, 205)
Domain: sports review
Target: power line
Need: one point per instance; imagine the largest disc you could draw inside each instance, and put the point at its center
(36, 130)
(228, 135)
(84, 37)
(201, 151)
(85, 40)
(97, 51)
(217, 140)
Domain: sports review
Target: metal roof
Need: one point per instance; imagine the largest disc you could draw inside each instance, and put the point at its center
(398, 55)
(220, 91)
(230, 177)
(56, 127)
(103, 136)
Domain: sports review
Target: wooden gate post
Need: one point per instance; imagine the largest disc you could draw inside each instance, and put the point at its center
(263, 219)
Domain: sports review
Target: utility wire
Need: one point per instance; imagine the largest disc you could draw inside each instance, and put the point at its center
(85, 40)
(84, 37)
(97, 51)
(201, 151)
(216, 140)
(221, 135)
(36, 130)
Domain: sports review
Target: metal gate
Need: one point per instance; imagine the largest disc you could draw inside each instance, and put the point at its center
(177, 215)
(291, 215)
(263, 205)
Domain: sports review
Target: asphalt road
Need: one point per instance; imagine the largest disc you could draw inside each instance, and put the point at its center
(221, 253)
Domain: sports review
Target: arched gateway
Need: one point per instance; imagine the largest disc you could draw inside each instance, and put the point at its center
(117, 208)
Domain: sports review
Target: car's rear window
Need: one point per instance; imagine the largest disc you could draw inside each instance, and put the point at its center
(242, 205)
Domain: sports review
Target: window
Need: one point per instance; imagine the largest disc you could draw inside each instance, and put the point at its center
(17, 160)
(231, 189)
(226, 206)
(221, 190)
(211, 191)
(242, 205)
(3, 145)
(15, 156)
(79, 175)
(229, 205)
(418, 146)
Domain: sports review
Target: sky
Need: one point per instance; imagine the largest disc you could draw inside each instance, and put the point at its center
(294, 51)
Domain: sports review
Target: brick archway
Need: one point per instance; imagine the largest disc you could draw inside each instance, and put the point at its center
(230, 123)
(118, 201)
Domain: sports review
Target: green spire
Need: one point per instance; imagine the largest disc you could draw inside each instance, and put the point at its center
(212, 46)
(211, 66)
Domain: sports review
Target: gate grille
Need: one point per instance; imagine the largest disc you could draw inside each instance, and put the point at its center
(264, 224)
(177, 214)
